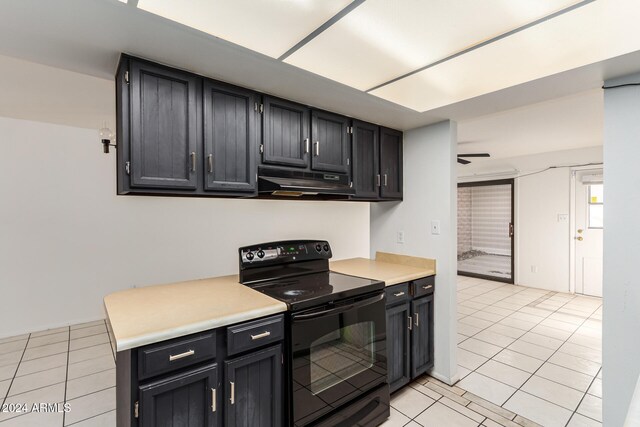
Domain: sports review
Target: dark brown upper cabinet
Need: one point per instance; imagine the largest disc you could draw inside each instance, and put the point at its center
(231, 131)
(163, 127)
(179, 133)
(285, 138)
(366, 166)
(331, 141)
(391, 163)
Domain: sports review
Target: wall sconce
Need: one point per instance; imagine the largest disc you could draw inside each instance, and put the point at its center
(106, 136)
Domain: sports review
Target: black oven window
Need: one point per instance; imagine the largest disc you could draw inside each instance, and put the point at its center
(340, 355)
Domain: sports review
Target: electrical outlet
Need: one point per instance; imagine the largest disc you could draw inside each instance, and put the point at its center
(435, 227)
(400, 237)
(534, 268)
(563, 217)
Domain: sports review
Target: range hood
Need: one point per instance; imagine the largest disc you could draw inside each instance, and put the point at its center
(292, 183)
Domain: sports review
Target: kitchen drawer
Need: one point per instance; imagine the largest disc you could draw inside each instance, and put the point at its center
(250, 335)
(423, 286)
(397, 293)
(175, 354)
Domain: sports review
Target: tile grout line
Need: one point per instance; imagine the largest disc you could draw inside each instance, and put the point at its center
(491, 358)
(113, 353)
(91, 417)
(434, 402)
(529, 330)
(583, 396)
(547, 360)
(66, 377)
(6, 395)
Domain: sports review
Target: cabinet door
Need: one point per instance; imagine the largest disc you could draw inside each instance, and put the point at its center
(184, 400)
(398, 345)
(163, 127)
(331, 142)
(286, 133)
(422, 335)
(254, 389)
(230, 137)
(391, 163)
(366, 172)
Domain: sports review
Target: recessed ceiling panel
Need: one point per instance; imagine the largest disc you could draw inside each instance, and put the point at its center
(270, 27)
(598, 31)
(382, 39)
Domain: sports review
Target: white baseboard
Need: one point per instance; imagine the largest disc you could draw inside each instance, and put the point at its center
(445, 379)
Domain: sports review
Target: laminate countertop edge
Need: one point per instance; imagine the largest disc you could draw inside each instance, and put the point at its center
(391, 273)
(152, 314)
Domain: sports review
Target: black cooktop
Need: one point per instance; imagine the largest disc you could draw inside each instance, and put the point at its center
(315, 289)
(297, 272)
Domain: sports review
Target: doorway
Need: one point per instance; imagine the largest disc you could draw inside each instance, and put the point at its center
(485, 230)
(588, 231)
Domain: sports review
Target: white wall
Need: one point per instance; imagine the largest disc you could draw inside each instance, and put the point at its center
(621, 315)
(46, 94)
(541, 240)
(66, 239)
(429, 194)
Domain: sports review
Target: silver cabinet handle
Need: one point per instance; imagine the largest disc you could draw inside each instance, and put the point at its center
(385, 179)
(398, 294)
(317, 144)
(262, 335)
(233, 392)
(213, 400)
(306, 145)
(427, 287)
(193, 161)
(417, 320)
(210, 162)
(181, 355)
(410, 322)
(378, 180)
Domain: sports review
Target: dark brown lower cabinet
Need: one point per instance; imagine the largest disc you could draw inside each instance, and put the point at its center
(230, 376)
(398, 345)
(421, 335)
(254, 389)
(409, 331)
(187, 399)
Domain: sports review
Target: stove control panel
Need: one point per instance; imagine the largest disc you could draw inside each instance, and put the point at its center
(274, 253)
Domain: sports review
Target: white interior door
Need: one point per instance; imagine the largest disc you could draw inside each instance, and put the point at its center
(589, 232)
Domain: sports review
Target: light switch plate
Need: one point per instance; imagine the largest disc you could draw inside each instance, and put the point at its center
(435, 227)
(400, 237)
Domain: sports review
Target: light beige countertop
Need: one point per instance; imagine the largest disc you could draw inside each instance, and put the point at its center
(152, 314)
(391, 268)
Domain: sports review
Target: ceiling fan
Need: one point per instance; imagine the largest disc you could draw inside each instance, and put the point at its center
(466, 162)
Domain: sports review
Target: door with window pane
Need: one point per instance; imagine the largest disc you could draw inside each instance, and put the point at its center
(485, 230)
(588, 236)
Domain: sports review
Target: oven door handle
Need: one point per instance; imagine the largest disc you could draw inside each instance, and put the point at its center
(338, 310)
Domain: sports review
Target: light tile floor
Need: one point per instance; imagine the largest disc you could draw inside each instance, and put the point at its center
(71, 365)
(526, 357)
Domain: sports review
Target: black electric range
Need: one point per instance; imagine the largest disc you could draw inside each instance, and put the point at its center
(336, 346)
(313, 289)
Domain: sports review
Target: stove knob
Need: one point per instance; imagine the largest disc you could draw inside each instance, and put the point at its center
(260, 253)
(249, 256)
(326, 248)
(318, 247)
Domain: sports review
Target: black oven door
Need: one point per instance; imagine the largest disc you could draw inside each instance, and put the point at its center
(339, 353)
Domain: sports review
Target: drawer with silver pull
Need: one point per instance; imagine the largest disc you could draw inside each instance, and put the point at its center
(255, 334)
(397, 293)
(424, 286)
(175, 354)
